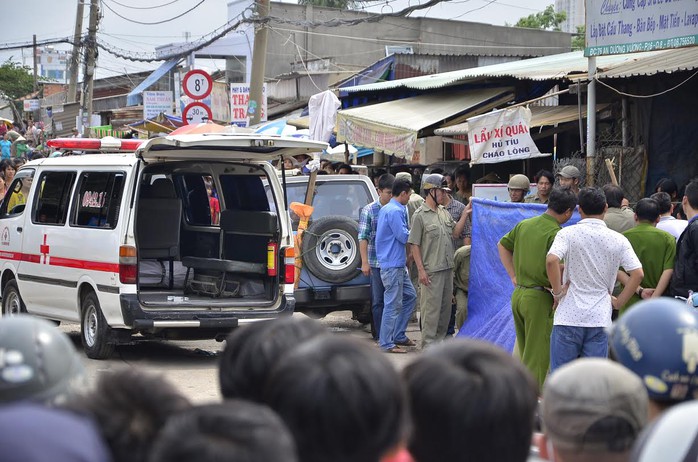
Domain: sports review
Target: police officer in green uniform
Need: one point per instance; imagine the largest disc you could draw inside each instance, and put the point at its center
(431, 238)
(656, 250)
(523, 251)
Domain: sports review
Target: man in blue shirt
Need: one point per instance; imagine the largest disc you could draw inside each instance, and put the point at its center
(400, 297)
(368, 224)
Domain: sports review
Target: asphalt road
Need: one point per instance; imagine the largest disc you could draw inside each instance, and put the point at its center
(193, 366)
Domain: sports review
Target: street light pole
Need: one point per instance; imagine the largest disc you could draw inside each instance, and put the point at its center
(75, 55)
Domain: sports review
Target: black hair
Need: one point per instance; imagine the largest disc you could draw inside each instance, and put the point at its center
(591, 200)
(468, 395)
(378, 173)
(544, 173)
(647, 209)
(342, 400)
(668, 186)
(322, 172)
(691, 193)
(437, 170)
(663, 201)
(614, 195)
(562, 199)
(344, 166)
(386, 181)
(130, 407)
(251, 352)
(679, 214)
(462, 170)
(234, 430)
(400, 186)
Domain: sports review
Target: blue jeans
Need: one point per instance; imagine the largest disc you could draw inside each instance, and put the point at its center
(399, 300)
(568, 343)
(376, 300)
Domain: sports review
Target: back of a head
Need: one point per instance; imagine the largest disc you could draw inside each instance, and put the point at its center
(663, 201)
(386, 180)
(657, 339)
(470, 397)
(32, 432)
(592, 201)
(593, 406)
(232, 431)
(400, 186)
(647, 209)
(673, 437)
(40, 363)
(342, 400)
(130, 406)
(614, 195)
(251, 352)
(669, 186)
(562, 199)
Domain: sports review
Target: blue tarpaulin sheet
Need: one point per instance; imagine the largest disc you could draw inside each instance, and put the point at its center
(489, 292)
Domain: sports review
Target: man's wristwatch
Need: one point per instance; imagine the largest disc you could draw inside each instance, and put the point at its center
(639, 291)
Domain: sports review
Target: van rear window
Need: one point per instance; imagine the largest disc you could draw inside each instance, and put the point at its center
(98, 200)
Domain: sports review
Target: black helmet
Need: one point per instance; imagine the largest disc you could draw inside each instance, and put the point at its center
(658, 340)
(38, 362)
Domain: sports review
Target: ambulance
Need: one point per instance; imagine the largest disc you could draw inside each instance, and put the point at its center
(169, 238)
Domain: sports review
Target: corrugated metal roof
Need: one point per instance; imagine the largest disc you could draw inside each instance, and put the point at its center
(666, 61)
(566, 65)
(541, 116)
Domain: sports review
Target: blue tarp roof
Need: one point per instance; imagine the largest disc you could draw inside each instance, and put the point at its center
(134, 98)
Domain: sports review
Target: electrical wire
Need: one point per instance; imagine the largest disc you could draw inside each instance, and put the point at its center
(156, 22)
(143, 7)
(475, 9)
(645, 96)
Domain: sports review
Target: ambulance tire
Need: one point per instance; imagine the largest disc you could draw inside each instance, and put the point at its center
(94, 331)
(12, 303)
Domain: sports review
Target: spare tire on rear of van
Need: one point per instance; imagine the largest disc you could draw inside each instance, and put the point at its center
(331, 249)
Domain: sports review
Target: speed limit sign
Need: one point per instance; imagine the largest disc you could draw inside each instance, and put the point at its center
(197, 84)
(196, 113)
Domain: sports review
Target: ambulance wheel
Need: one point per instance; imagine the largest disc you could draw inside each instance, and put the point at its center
(94, 332)
(12, 303)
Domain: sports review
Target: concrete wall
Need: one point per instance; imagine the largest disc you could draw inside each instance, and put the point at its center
(363, 44)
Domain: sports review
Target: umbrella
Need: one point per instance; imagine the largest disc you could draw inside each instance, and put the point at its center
(202, 128)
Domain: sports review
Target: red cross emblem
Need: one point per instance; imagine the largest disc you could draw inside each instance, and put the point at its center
(43, 250)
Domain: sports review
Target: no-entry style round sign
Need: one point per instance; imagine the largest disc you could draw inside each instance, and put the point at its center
(197, 84)
(196, 113)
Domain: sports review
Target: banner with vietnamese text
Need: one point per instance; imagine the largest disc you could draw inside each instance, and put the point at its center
(501, 136)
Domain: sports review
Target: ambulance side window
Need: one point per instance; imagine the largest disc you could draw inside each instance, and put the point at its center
(16, 197)
(98, 200)
(53, 197)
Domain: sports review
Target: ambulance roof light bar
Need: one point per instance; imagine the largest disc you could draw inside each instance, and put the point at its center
(108, 143)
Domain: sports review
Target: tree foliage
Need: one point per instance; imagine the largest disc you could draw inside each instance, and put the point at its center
(547, 19)
(578, 39)
(15, 80)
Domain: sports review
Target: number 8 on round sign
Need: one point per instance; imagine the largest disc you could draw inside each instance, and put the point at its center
(197, 84)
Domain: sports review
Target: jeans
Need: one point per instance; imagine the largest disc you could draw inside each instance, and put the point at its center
(377, 290)
(399, 300)
(568, 343)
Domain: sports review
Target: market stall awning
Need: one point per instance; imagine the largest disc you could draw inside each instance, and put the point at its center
(393, 127)
(541, 116)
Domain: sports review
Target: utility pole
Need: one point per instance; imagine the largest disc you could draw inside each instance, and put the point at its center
(36, 84)
(259, 57)
(75, 56)
(89, 73)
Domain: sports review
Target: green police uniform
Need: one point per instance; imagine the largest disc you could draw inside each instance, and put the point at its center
(432, 231)
(531, 303)
(656, 250)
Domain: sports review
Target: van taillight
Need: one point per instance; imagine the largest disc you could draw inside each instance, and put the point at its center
(272, 257)
(289, 265)
(128, 264)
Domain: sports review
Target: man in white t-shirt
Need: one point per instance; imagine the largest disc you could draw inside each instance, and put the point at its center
(592, 256)
(667, 222)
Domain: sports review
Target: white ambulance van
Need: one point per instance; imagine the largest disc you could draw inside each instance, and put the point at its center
(174, 238)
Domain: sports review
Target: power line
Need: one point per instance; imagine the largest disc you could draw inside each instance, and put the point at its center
(156, 22)
(143, 7)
